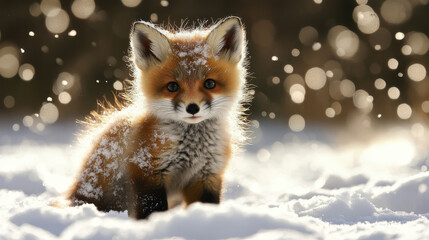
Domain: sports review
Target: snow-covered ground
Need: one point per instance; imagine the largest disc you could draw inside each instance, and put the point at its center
(319, 184)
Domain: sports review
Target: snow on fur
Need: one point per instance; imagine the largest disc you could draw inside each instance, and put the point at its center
(197, 50)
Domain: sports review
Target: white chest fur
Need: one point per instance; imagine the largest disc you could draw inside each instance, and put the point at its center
(199, 151)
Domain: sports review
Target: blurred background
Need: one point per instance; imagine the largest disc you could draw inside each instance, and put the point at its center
(331, 63)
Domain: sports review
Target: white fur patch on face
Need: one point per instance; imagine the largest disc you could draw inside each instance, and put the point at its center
(162, 108)
(165, 109)
(221, 106)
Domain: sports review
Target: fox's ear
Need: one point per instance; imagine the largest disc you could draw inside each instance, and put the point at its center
(227, 39)
(149, 45)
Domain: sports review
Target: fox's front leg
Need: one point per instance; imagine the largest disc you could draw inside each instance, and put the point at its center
(149, 195)
(207, 190)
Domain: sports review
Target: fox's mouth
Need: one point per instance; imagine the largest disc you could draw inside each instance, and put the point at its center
(193, 119)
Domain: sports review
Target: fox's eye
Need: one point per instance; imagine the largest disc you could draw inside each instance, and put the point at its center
(209, 84)
(172, 86)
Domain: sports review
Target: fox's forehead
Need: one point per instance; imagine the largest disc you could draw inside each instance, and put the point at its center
(190, 48)
(192, 57)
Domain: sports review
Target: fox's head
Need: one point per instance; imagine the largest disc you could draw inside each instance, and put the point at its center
(190, 75)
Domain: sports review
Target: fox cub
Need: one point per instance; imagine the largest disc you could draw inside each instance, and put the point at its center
(180, 126)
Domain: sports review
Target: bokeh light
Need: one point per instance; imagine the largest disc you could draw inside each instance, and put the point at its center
(425, 106)
(406, 50)
(40, 127)
(9, 62)
(392, 63)
(295, 52)
(366, 19)
(335, 90)
(164, 3)
(26, 72)
(28, 121)
(58, 22)
(154, 17)
(347, 88)
(396, 11)
(297, 93)
(360, 2)
(393, 93)
(330, 112)
(15, 127)
(72, 33)
(363, 101)
(9, 102)
(274, 80)
(131, 3)
(296, 123)
(64, 81)
(337, 107)
(35, 10)
(404, 111)
(422, 188)
(344, 42)
(8, 65)
(49, 113)
(399, 35)
(315, 78)
(64, 97)
(380, 84)
(83, 9)
(316, 46)
(418, 42)
(416, 72)
(50, 7)
(117, 85)
(288, 68)
(44, 49)
(308, 35)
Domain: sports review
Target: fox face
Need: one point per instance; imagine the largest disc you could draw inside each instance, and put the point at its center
(190, 76)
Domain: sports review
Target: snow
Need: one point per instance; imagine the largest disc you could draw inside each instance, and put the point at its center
(141, 158)
(191, 55)
(318, 184)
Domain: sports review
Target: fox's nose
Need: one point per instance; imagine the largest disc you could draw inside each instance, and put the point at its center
(192, 108)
